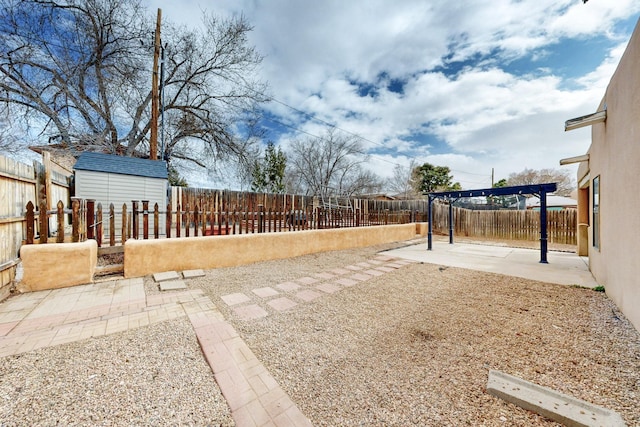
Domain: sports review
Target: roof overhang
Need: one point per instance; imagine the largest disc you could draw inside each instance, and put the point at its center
(576, 159)
(588, 120)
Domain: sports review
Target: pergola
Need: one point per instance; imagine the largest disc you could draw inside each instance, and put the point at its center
(539, 190)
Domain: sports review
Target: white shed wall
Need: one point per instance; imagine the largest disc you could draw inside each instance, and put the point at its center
(107, 188)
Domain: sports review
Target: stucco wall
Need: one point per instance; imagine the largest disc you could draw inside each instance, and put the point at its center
(143, 257)
(57, 265)
(615, 158)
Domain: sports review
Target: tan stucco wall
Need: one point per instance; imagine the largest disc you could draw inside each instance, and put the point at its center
(422, 228)
(615, 157)
(143, 257)
(57, 265)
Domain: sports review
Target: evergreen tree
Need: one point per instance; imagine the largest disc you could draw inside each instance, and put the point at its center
(268, 174)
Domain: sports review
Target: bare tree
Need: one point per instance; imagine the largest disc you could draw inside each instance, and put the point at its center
(403, 181)
(563, 178)
(8, 143)
(80, 71)
(329, 166)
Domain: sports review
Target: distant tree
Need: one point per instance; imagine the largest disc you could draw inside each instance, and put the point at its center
(330, 166)
(563, 178)
(268, 175)
(429, 178)
(362, 183)
(175, 180)
(401, 184)
(501, 201)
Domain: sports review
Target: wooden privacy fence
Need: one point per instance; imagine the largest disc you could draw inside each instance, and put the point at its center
(228, 200)
(507, 224)
(20, 183)
(88, 221)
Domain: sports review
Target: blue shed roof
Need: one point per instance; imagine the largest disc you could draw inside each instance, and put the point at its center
(109, 163)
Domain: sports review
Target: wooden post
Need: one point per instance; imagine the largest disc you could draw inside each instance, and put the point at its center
(112, 225)
(60, 236)
(91, 212)
(167, 225)
(153, 140)
(43, 222)
(260, 218)
(186, 219)
(30, 223)
(156, 222)
(234, 221)
(145, 219)
(196, 221)
(99, 225)
(125, 221)
(134, 215)
(75, 220)
(178, 220)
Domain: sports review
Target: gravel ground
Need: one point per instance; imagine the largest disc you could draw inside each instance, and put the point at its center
(151, 376)
(412, 347)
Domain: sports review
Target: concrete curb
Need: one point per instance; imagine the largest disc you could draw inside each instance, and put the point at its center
(559, 407)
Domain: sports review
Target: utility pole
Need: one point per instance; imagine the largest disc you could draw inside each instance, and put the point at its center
(153, 140)
(491, 177)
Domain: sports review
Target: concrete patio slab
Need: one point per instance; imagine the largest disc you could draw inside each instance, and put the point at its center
(250, 312)
(328, 288)
(288, 286)
(166, 275)
(374, 272)
(308, 295)
(360, 277)
(307, 280)
(233, 299)
(282, 304)
(265, 292)
(347, 282)
(563, 267)
(192, 274)
(172, 285)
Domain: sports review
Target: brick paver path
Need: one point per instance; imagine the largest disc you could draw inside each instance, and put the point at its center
(47, 318)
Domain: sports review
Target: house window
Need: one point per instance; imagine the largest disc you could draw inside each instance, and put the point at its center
(596, 212)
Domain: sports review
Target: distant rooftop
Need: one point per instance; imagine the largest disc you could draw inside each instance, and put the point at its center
(109, 163)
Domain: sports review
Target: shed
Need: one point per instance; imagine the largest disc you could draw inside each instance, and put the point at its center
(119, 180)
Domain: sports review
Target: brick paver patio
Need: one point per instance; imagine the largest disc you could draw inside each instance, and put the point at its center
(47, 318)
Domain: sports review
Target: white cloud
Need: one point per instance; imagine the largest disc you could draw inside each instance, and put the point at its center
(490, 117)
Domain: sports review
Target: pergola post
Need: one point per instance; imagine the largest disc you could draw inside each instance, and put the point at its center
(450, 222)
(430, 226)
(543, 227)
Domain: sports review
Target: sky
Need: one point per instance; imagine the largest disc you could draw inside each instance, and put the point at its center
(475, 85)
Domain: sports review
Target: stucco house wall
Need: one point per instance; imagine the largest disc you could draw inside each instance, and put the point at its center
(614, 159)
